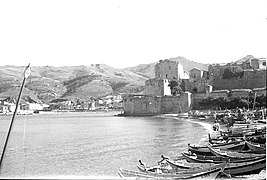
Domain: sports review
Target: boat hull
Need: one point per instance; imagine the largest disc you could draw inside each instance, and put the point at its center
(212, 174)
(242, 168)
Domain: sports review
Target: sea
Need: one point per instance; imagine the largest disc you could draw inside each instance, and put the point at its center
(93, 144)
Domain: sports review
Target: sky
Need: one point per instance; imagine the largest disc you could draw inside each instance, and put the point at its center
(126, 33)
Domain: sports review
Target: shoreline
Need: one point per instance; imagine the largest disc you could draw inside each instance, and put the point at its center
(206, 124)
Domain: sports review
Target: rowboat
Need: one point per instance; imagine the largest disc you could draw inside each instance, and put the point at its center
(224, 146)
(210, 116)
(194, 158)
(182, 115)
(234, 168)
(233, 155)
(256, 147)
(209, 173)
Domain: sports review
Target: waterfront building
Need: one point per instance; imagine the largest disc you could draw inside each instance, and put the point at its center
(158, 98)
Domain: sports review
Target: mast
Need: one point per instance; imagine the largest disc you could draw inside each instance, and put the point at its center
(26, 73)
(254, 101)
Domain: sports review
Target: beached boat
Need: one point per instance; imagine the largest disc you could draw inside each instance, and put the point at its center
(208, 173)
(256, 146)
(232, 154)
(224, 146)
(210, 116)
(182, 115)
(234, 168)
(194, 158)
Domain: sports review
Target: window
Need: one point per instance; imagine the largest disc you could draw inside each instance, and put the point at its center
(166, 75)
(194, 76)
(264, 63)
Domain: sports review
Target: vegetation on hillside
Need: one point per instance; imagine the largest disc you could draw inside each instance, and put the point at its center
(73, 82)
(232, 72)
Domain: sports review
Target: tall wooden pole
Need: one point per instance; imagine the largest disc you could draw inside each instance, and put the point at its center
(254, 101)
(26, 74)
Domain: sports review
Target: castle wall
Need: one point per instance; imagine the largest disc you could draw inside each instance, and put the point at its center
(154, 105)
(260, 91)
(219, 94)
(251, 79)
(240, 93)
(196, 98)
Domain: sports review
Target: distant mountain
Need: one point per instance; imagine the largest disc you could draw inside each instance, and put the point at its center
(188, 64)
(148, 70)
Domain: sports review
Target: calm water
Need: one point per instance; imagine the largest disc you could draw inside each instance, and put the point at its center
(91, 144)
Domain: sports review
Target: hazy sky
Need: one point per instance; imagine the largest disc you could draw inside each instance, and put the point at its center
(123, 33)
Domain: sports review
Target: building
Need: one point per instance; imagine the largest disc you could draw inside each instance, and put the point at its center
(170, 69)
(197, 74)
(157, 87)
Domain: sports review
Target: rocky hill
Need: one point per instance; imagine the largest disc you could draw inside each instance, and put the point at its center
(47, 83)
(77, 82)
(147, 70)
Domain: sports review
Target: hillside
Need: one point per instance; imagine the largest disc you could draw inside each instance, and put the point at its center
(77, 82)
(147, 70)
(244, 59)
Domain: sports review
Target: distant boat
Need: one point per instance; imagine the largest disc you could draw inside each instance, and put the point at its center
(182, 115)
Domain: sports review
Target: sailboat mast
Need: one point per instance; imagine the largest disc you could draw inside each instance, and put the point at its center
(26, 74)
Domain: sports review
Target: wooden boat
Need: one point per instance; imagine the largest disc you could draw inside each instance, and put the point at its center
(235, 168)
(210, 116)
(224, 146)
(199, 150)
(233, 155)
(256, 138)
(255, 146)
(194, 158)
(183, 115)
(163, 167)
(209, 173)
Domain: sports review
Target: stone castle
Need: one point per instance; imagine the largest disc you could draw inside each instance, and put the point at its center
(239, 78)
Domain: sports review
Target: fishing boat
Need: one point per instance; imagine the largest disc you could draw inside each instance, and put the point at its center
(194, 158)
(182, 115)
(224, 146)
(210, 116)
(256, 146)
(234, 168)
(232, 154)
(210, 173)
